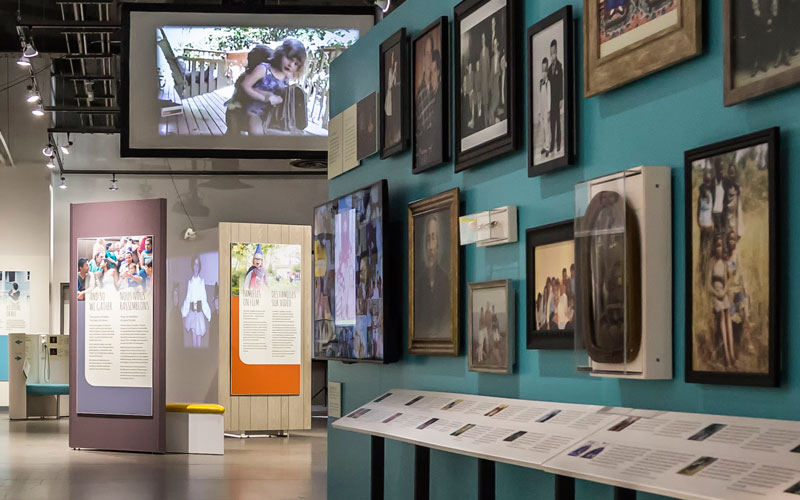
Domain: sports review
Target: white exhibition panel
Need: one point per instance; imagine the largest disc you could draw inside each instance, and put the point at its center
(683, 455)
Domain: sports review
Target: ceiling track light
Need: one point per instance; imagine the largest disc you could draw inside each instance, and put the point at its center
(48, 150)
(38, 110)
(51, 164)
(114, 186)
(29, 50)
(63, 184)
(32, 96)
(24, 62)
(65, 148)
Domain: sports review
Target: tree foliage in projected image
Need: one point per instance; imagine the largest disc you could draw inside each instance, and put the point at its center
(240, 38)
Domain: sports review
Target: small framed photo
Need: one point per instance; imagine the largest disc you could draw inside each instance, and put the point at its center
(624, 40)
(551, 93)
(433, 275)
(731, 262)
(395, 116)
(550, 277)
(761, 46)
(431, 99)
(491, 336)
(486, 117)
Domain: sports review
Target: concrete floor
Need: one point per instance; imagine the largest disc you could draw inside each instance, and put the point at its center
(37, 464)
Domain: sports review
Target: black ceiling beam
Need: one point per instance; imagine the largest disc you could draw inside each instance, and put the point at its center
(201, 173)
(93, 110)
(79, 25)
(84, 77)
(83, 130)
(102, 55)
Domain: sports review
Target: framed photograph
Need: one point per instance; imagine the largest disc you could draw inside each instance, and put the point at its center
(487, 121)
(395, 117)
(367, 126)
(433, 275)
(491, 338)
(431, 99)
(762, 48)
(624, 40)
(732, 288)
(550, 277)
(551, 93)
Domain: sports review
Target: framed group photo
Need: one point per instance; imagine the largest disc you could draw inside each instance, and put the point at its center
(433, 275)
(491, 338)
(761, 48)
(394, 82)
(551, 281)
(731, 242)
(431, 96)
(551, 93)
(487, 124)
(624, 40)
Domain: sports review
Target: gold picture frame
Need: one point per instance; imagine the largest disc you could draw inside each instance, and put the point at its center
(652, 49)
(433, 282)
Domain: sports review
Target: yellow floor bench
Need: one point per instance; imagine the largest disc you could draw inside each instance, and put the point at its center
(195, 428)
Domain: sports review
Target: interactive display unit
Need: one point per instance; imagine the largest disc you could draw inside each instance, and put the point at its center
(351, 320)
(213, 83)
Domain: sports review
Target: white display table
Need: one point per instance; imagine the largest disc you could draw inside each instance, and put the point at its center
(683, 455)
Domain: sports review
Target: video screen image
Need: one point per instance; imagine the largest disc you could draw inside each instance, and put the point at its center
(246, 81)
(349, 276)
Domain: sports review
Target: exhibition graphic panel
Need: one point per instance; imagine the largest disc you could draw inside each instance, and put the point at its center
(15, 301)
(266, 318)
(115, 320)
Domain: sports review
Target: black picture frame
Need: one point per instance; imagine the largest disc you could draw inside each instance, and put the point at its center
(123, 97)
(569, 126)
(544, 235)
(444, 86)
(770, 137)
(399, 38)
(503, 144)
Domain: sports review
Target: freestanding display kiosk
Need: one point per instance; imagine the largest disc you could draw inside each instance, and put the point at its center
(117, 319)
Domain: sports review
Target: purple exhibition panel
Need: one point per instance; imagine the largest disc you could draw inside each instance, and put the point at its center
(117, 375)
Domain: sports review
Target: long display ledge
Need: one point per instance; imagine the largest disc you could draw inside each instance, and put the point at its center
(691, 456)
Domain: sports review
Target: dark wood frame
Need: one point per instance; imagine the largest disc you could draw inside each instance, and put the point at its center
(771, 379)
(448, 200)
(511, 335)
(534, 237)
(445, 89)
(510, 141)
(735, 95)
(400, 38)
(124, 83)
(653, 53)
(570, 119)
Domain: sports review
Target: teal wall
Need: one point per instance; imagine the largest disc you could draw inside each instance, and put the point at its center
(649, 122)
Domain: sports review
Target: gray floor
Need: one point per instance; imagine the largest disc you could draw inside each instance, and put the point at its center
(37, 464)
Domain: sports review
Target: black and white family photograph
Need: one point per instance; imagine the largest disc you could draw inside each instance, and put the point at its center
(484, 80)
(491, 329)
(394, 78)
(431, 97)
(731, 290)
(551, 93)
(763, 47)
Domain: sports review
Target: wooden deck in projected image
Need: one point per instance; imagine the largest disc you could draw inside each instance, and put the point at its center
(202, 114)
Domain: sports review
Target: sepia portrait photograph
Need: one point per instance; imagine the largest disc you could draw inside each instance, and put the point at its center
(431, 96)
(485, 86)
(762, 47)
(491, 338)
(551, 93)
(731, 330)
(624, 40)
(433, 275)
(394, 116)
(367, 126)
(551, 281)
